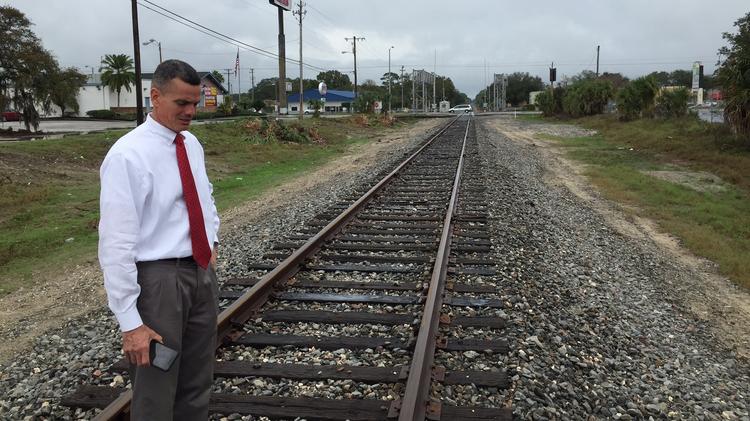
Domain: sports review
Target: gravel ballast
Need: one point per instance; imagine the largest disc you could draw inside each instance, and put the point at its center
(595, 328)
(80, 352)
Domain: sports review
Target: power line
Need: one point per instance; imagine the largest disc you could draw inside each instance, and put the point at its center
(208, 31)
(323, 15)
(269, 55)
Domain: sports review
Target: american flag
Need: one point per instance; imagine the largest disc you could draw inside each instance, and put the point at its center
(237, 63)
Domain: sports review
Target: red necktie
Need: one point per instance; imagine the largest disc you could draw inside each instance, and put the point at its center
(201, 249)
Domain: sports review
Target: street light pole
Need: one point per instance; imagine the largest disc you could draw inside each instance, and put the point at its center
(389, 79)
(158, 43)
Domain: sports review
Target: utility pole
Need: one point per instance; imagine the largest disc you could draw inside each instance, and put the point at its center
(300, 15)
(486, 87)
(597, 61)
(252, 81)
(229, 82)
(402, 87)
(434, 75)
(354, 51)
(389, 79)
(413, 90)
(281, 91)
(137, 56)
(238, 72)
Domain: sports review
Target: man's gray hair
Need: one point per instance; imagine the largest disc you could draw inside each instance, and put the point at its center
(174, 69)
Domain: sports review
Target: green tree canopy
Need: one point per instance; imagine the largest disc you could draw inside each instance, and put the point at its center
(674, 78)
(734, 76)
(26, 68)
(118, 73)
(616, 79)
(389, 75)
(65, 87)
(335, 80)
(217, 74)
(266, 89)
(520, 85)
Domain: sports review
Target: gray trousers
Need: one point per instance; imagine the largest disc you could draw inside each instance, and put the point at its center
(178, 300)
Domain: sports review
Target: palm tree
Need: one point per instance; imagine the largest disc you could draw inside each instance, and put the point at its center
(117, 73)
(734, 76)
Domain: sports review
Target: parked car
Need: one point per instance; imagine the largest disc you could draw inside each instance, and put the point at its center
(309, 111)
(11, 116)
(463, 108)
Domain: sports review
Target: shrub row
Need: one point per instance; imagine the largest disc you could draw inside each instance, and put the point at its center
(639, 98)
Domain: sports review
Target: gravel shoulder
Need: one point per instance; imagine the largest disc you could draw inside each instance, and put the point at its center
(608, 317)
(709, 296)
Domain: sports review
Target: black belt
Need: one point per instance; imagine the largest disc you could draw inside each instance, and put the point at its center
(187, 259)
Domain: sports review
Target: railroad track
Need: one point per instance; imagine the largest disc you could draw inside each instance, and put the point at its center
(409, 264)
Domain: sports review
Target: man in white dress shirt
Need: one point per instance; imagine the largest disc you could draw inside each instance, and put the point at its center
(157, 249)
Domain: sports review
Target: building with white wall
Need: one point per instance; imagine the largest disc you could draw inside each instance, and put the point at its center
(95, 96)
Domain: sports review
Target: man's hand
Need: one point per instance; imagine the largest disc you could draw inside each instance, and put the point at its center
(214, 254)
(136, 342)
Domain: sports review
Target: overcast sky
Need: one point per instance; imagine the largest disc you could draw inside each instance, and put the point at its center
(470, 39)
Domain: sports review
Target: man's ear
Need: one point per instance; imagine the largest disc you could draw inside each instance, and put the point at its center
(155, 96)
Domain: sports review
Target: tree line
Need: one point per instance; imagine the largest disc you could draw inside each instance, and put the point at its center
(32, 79)
(661, 94)
(368, 91)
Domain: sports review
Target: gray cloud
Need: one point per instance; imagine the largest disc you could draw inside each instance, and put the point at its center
(636, 36)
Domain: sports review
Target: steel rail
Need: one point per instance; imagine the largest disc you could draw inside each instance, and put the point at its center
(416, 394)
(230, 320)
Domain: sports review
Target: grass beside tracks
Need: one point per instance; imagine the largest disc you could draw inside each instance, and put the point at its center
(665, 170)
(49, 189)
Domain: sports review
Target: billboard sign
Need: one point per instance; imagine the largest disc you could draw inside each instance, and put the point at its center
(696, 75)
(284, 4)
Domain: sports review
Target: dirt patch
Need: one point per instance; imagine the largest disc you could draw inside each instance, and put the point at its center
(701, 181)
(708, 295)
(76, 290)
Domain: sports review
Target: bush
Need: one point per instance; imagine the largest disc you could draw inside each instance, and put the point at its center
(551, 105)
(361, 120)
(102, 114)
(258, 105)
(264, 131)
(529, 107)
(365, 102)
(226, 107)
(672, 103)
(204, 115)
(315, 105)
(587, 97)
(636, 99)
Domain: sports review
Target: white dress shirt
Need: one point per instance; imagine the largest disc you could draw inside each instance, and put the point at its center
(143, 214)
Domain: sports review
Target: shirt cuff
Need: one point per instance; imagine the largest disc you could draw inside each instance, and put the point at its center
(129, 319)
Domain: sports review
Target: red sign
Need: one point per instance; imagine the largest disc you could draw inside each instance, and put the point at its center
(284, 4)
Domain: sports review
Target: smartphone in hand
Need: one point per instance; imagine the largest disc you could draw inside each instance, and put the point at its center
(161, 356)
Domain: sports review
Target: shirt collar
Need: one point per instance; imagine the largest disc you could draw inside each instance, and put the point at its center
(162, 132)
